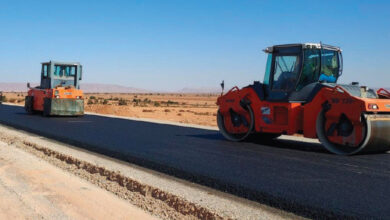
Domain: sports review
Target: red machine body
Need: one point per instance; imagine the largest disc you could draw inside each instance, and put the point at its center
(347, 119)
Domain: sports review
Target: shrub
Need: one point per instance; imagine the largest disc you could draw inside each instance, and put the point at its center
(201, 113)
(105, 102)
(3, 98)
(167, 110)
(92, 97)
(147, 101)
(172, 102)
(12, 100)
(137, 101)
(147, 110)
(156, 104)
(122, 102)
(90, 102)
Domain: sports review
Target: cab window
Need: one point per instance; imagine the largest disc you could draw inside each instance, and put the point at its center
(310, 69)
(64, 71)
(286, 70)
(267, 70)
(45, 70)
(329, 66)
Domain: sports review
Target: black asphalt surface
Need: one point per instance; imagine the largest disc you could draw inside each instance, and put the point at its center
(295, 176)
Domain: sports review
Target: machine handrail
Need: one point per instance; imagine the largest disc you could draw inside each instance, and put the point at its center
(234, 88)
(381, 91)
(338, 88)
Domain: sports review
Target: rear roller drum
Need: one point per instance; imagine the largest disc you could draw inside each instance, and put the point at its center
(375, 131)
(242, 122)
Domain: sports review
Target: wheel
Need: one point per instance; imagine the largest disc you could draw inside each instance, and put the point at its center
(28, 104)
(334, 147)
(236, 127)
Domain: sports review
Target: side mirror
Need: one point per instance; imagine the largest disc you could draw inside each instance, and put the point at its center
(222, 86)
(81, 72)
(28, 85)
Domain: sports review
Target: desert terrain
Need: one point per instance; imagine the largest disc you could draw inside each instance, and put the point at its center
(199, 109)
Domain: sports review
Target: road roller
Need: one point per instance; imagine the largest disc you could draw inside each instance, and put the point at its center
(59, 92)
(300, 95)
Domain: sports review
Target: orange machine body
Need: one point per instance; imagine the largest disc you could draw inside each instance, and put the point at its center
(40, 95)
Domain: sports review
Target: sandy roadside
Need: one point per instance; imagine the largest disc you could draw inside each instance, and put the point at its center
(32, 188)
(156, 193)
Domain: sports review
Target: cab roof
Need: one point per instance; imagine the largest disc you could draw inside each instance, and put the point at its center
(304, 46)
(62, 63)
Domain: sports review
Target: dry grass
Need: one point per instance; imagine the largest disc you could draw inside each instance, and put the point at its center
(185, 108)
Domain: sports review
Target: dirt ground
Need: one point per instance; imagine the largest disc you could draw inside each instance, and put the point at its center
(31, 188)
(200, 109)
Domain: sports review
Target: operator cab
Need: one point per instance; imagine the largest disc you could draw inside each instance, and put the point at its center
(294, 70)
(55, 74)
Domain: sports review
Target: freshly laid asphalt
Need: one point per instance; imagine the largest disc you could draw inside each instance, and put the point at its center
(294, 176)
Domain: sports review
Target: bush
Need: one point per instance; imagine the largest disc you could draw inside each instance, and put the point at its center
(92, 97)
(90, 102)
(122, 102)
(12, 100)
(201, 113)
(105, 102)
(156, 104)
(3, 98)
(137, 101)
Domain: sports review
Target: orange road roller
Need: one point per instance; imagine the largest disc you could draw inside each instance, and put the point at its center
(300, 95)
(59, 92)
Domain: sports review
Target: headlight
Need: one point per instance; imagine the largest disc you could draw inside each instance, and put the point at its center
(373, 106)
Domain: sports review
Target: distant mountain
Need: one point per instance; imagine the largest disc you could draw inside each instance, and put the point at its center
(15, 87)
(200, 90)
(86, 87)
(109, 88)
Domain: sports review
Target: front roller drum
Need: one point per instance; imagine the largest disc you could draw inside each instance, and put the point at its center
(376, 135)
(63, 107)
(248, 122)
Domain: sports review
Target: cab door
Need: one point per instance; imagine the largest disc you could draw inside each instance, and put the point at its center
(285, 71)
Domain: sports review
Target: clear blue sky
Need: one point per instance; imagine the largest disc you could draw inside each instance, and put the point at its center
(168, 45)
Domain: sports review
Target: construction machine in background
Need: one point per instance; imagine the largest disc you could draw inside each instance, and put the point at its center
(59, 92)
(300, 95)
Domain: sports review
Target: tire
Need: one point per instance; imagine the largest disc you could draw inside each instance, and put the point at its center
(236, 137)
(28, 104)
